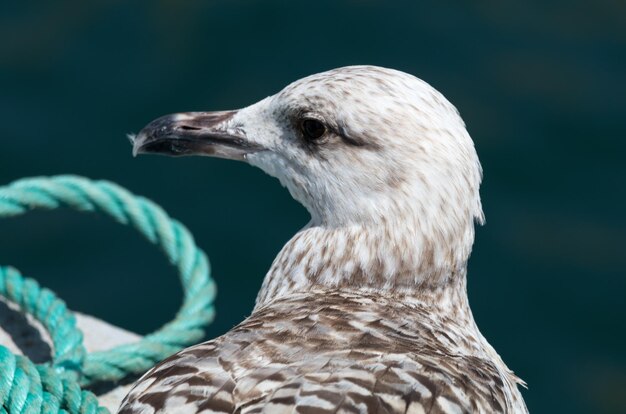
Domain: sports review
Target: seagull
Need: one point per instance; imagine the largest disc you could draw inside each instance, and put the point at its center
(364, 310)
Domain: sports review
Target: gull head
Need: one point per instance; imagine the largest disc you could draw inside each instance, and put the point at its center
(358, 146)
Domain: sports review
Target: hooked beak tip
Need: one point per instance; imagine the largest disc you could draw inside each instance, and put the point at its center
(133, 140)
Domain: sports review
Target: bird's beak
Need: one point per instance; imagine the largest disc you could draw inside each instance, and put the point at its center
(194, 133)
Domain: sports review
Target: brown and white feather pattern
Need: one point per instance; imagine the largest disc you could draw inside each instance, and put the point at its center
(365, 310)
(334, 352)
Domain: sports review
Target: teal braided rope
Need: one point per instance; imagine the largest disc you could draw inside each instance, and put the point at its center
(152, 222)
(26, 388)
(46, 388)
(41, 303)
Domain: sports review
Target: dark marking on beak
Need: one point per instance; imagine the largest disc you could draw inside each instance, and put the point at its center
(194, 133)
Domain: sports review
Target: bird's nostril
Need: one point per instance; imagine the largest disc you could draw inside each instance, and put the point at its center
(189, 128)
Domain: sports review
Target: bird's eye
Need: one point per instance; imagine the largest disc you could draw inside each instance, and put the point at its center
(312, 129)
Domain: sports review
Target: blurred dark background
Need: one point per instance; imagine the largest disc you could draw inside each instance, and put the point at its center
(541, 87)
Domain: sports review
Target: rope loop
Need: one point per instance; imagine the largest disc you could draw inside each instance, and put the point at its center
(55, 386)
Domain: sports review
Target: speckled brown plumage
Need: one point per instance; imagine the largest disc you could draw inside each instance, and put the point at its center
(364, 310)
(332, 352)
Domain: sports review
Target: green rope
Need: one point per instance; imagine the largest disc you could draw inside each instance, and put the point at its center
(27, 388)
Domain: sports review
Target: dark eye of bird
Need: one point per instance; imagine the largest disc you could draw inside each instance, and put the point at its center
(313, 129)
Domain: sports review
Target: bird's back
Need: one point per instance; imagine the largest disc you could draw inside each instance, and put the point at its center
(334, 352)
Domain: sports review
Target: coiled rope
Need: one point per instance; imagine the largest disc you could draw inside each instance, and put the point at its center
(54, 387)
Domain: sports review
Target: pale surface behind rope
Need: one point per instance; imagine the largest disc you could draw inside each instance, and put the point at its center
(24, 335)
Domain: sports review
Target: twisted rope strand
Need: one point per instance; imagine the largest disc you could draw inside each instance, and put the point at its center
(54, 387)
